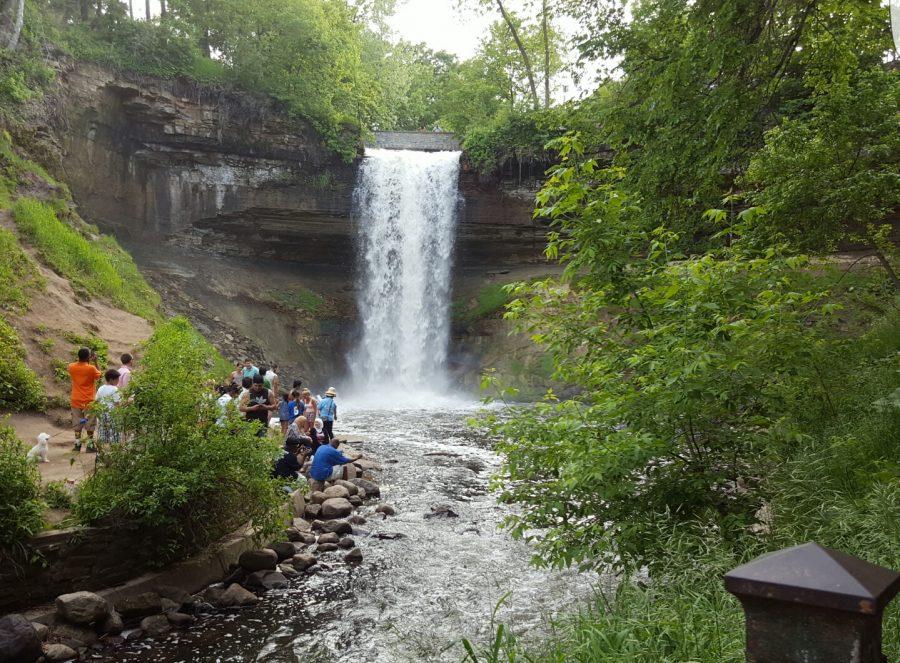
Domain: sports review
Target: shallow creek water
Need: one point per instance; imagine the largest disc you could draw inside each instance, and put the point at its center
(412, 598)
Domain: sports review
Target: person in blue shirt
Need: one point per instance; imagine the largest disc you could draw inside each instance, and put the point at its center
(328, 413)
(327, 465)
(249, 369)
(286, 409)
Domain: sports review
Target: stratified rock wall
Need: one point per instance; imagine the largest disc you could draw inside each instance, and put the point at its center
(224, 202)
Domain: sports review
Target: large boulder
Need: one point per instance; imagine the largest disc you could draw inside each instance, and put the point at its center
(355, 500)
(351, 471)
(258, 560)
(267, 580)
(43, 630)
(112, 624)
(336, 491)
(19, 642)
(312, 511)
(237, 597)
(317, 497)
(372, 489)
(139, 605)
(336, 507)
(298, 503)
(56, 653)
(337, 526)
(156, 625)
(301, 525)
(82, 607)
(180, 619)
(354, 556)
(351, 487)
(73, 635)
(346, 543)
(356, 520)
(329, 537)
(386, 509)
(303, 561)
(326, 547)
(283, 550)
(176, 594)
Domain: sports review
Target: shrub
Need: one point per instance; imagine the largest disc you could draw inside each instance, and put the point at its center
(20, 503)
(20, 388)
(56, 496)
(181, 476)
(95, 264)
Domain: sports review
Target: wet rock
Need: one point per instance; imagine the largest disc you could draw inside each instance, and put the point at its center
(203, 608)
(283, 550)
(354, 556)
(303, 561)
(301, 525)
(386, 509)
(329, 537)
(82, 607)
(337, 526)
(298, 503)
(132, 634)
(19, 642)
(299, 547)
(372, 489)
(336, 491)
(57, 652)
(351, 487)
(155, 625)
(362, 494)
(355, 500)
(442, 511)
(336, 507)
(139, 605)
(176, 594)
(42, 630)
(113, 624)
(287, 570)
(180, 619)
(368, 476)
(389, 536)
(309, 538)
(346, 543)
(168, 605)
(237, 597)
(365, 464)
(318, 525)
(326, 547)
(72, 635)
(267, 580)
(351, 471)
(293, 535)
(317, 497)
(237, 575)
(475, 465)
(213, 594)
(356, 520)
(392, 461)
(312, 511)
(258, 560)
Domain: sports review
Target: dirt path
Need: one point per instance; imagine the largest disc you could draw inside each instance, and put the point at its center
(64, 463)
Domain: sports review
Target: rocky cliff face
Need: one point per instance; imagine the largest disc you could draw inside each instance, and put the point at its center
(242, 218)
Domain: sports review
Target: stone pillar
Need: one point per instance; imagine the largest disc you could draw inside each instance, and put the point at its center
(811, 604)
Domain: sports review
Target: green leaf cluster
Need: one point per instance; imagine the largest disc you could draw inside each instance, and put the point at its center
(20, 493)
(181, 475)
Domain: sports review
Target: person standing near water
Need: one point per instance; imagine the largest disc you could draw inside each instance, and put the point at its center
(328, 413)
(257, 403)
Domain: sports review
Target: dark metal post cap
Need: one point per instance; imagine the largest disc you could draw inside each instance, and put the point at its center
(810, 574)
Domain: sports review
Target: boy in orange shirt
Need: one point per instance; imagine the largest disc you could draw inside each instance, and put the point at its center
(84, 374)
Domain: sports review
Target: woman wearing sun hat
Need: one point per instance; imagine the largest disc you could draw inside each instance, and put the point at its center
(328, 413)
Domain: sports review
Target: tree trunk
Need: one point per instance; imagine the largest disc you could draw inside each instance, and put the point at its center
(131, 9)
(526, 61)
(546, 34)
(12, 18)
(99, 9)
(162, 7)
(85, 10)
(204, 43)
(147, 5)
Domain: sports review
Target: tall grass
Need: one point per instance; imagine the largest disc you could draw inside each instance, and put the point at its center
(95, 265)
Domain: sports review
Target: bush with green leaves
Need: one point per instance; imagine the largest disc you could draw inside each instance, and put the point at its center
(20, 493)
(181, 477)
(20, 388)
(93, 263)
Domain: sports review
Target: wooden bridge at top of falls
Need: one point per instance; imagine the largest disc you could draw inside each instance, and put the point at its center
(422, 141)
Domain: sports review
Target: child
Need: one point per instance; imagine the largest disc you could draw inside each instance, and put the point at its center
(286, 412)
(108, 397)
(299, 405)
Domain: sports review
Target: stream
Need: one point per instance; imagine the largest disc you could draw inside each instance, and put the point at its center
(412, 598)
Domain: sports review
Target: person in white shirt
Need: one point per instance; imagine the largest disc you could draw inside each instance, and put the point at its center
(274, 381)
(230, 395)
(108, 397)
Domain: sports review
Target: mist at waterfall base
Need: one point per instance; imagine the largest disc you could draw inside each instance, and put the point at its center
(405, 216)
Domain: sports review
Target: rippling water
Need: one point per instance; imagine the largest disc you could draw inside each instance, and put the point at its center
(412, 598)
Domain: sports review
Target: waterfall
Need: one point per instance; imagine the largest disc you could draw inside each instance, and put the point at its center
(405, 214)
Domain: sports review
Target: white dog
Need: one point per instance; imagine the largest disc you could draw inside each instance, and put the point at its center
(39, 450)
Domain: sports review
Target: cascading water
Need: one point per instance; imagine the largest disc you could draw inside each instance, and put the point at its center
(405, 205)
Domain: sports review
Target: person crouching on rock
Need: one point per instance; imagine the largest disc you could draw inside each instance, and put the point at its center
(257, 403)
(328, 465)
(288, 466)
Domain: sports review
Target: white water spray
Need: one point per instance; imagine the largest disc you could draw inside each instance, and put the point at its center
(406, 217)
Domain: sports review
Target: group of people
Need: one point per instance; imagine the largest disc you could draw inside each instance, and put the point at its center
(306, 423)
(91, 408)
